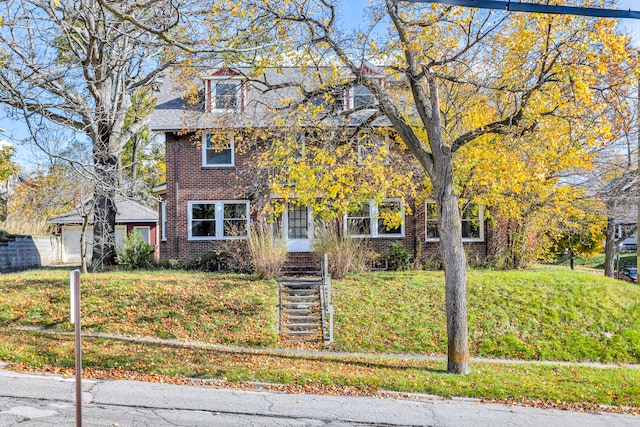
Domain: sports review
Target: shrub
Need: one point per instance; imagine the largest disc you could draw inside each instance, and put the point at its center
(398, 257)
(135, 252)
(346, 255)
(169, 264)
(433, 262)
(268, 252)
(236, 256)
(211, 261)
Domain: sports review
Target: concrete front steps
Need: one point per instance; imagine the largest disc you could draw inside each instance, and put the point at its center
(300, 311)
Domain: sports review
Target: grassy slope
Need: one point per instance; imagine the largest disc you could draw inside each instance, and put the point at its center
(226, 309)
(547, 313)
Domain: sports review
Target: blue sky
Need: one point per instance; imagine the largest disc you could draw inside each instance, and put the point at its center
(633, 25)
(28, 156)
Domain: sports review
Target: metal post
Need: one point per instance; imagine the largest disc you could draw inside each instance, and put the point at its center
(75, 319)
(328, 301)
(638, 178)
(326, 265)
(571, 255)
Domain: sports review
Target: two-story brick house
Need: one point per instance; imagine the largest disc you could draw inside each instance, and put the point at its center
(212, 191)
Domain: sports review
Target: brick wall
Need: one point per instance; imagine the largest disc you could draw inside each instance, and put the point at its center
(190, 181)
(187, 179)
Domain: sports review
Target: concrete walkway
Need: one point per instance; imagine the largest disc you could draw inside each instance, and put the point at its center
(31, 399)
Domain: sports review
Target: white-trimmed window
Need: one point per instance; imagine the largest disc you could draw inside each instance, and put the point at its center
(389, 207)
(431, 221)
(145, 231)
(359, 221)
(163, 219)
(215, 156)
(212, 220)
(372, 219)
(361, 96)
(370, 146)
(224, 95)
(472, 216)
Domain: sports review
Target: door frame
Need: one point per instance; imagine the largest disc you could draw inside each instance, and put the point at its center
(297, 245)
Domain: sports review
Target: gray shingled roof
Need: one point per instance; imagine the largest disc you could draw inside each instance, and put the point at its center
(173, 112)
(128, 212)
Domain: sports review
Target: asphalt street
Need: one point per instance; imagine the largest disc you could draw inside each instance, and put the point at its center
(33, 399)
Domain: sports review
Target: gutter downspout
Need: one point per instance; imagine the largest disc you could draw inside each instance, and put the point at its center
(176, 149)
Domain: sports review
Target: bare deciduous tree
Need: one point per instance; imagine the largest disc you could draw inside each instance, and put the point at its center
(75, 65)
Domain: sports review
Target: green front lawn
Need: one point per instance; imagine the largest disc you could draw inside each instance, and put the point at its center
(546, 313)
(222, 309)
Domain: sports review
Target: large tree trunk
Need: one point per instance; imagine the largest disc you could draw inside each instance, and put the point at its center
(450, 231)
(610, 248)
(455, 269)
(104, 245)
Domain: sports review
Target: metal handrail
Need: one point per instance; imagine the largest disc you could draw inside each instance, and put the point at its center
(279, 308)
(326, 302)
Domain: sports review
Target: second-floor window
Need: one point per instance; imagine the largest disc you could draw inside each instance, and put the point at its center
(224, 95)
(372, 148)
(217, 154)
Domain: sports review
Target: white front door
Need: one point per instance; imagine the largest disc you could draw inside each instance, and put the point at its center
(298, 229)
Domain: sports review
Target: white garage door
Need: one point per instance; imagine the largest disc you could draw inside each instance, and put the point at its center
(71, 241)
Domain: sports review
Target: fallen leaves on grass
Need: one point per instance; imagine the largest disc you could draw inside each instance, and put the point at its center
(213, 308)
(123, 374)
(565, 406)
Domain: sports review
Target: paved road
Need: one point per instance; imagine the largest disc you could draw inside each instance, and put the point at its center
(46, 400)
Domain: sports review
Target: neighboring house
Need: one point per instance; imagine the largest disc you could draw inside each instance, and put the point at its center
(131, 216)
(208, 192)
(8, 188)
(630, 244)
(620, 196)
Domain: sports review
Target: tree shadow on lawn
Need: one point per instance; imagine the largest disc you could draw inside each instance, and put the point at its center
(394, 364)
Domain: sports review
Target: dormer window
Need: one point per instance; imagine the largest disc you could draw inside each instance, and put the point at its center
(226, 95)
(224, 90)
(361, 96)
